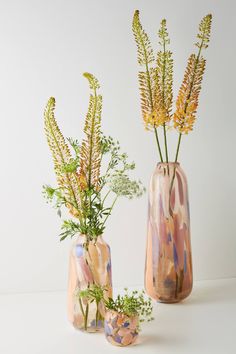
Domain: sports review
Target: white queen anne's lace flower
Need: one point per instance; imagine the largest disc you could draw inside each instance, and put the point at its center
(121, 185)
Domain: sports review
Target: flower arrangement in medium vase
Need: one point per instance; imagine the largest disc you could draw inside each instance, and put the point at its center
(124, 315)
(89, 183)
(168, 274)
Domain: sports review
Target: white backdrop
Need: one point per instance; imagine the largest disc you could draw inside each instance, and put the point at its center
(45, 47)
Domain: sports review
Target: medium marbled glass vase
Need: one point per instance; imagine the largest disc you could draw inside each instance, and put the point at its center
(90, 263)
(168, 270)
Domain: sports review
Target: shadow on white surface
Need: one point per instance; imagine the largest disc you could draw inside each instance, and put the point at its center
(155, 339)
(212, 292)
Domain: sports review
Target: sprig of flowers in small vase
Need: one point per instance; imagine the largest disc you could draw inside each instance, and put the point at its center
(124, 317)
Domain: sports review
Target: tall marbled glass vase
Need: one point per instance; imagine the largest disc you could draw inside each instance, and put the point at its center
(168, 270)
(90, 263)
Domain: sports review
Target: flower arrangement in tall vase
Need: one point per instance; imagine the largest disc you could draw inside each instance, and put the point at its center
(91, 176)
(168, 270)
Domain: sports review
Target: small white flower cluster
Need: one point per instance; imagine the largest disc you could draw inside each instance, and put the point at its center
(121, 185)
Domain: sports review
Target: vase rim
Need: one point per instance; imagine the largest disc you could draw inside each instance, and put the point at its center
(168, 163)
(85, 236)
(121, 314)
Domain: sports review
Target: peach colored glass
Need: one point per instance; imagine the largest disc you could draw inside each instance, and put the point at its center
(120, 329)
(168, 271)
(88, 265)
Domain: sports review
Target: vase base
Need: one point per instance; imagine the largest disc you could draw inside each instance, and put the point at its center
(90, 330)
(172, 301)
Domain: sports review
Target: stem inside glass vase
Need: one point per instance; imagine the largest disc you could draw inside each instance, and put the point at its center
(86, 317)
(97, 314)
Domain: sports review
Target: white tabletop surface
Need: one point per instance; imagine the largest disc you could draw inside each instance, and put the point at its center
(205, 323)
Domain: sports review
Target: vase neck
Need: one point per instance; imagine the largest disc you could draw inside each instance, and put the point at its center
(85, 238)
(171, 164)
(167, 169)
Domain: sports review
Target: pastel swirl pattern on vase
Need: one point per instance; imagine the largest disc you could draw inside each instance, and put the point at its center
(168, 270)
(89, 264)
(120, 330)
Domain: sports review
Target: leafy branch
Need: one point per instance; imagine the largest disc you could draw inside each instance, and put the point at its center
(69, 229)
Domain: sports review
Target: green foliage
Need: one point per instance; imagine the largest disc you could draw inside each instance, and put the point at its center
(74, 143)
(85, 297)
(69, 229)
(93, 212)
(74, 162)
(110, 147)
(70, 167)
(93, 293)
(132, 305)
(49, 192)
(116, 160)
(55, 197)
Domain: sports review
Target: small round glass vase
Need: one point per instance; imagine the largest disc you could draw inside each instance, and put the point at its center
(168, 273)
(90, 263)
(120, 330)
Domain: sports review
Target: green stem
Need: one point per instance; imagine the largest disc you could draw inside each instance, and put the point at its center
(176, 160)
(81, 307)
(112, 206)
(105, 197)
(86, 317)
(100, 211)
(165, 139)
(97, 314)
(177, 151)
(158, 144)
